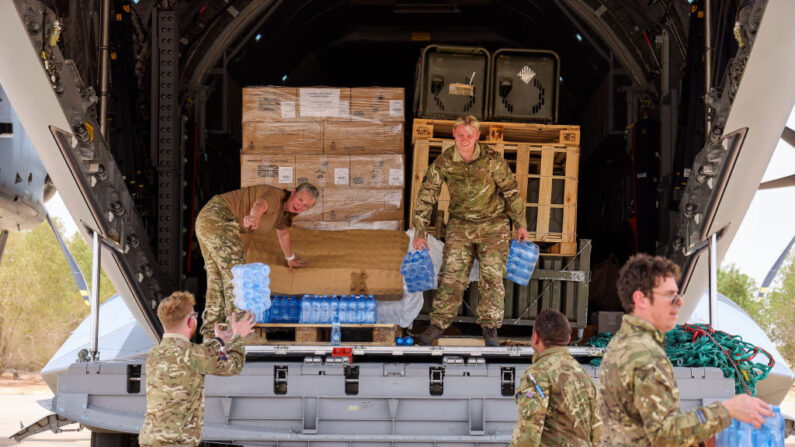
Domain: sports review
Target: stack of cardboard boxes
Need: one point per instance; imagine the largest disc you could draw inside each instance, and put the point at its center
(346, 141)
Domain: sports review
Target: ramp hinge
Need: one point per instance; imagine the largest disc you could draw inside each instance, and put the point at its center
(280, 379)
(351, 380)
(436, 381)
(507, 380)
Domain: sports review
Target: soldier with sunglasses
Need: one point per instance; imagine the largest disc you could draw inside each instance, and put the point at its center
(638, 395)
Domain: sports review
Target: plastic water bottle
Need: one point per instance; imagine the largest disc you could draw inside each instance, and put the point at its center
(314, 315)
(334, 308)
(522, 261)
(743, 434)
(323, 316)
(360, 309)
(342, 309)
(279, 308)
(286, 303)
(306, 309)
(370, 309)
(284, 308)
(336, 331)
(352, 305)
(352, 302)
(274, 310)
(295, 309)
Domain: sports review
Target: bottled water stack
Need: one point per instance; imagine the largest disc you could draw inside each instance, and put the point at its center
(251, 290)
(346, 309)
(417, 271)
(522, 261)
(742, 434)
(284, 309)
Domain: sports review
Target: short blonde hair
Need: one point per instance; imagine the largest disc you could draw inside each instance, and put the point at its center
(467, 120)
(175, 308)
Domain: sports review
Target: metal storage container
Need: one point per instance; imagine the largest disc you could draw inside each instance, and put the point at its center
(452, 81)
(525, 86)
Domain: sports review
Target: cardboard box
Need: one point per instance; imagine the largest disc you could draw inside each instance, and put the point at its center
(362, 137)
(269, 103)
(396, 225)
(351, 204)
(276, 170)
(265, 104)
(377, 171)
(323, 171)
(378, 103)
(282, 137)
(339, 261)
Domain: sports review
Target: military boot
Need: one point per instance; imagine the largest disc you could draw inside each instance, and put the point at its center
(490, 335)
(432, 333)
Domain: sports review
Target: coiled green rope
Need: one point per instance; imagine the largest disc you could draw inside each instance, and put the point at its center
(698, 345)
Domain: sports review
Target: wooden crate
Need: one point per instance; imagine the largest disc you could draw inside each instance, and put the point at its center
(559, 283)
(492, 132)
(547, 178)
(310, 334)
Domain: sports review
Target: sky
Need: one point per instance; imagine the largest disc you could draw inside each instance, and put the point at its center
(764, 233)
(769, 224)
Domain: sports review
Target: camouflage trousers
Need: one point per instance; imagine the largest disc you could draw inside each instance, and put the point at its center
(219, 239)
(490, 242)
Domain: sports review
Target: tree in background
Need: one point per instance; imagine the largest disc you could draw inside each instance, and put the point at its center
(779, 310)
(775, 312)
(742, 289)
(40, 304)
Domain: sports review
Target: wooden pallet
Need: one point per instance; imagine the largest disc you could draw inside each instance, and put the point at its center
(460, 341)
(493, 132)
(308, 334)
(547, 178)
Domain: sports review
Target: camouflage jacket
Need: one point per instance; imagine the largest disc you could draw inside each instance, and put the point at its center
(175, 371)
(480, 190)
(566, 414)
(639, 396)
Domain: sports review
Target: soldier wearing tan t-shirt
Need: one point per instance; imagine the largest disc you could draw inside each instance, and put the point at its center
(219, 224)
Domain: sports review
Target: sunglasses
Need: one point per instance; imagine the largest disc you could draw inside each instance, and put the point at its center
(673, 298)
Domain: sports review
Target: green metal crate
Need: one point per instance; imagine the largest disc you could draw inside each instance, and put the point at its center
(560, 283)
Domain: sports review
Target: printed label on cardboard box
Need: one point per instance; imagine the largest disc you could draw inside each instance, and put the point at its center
(288, 109)
(345, 109)
(267, 170)
(319, 102)
(395, 107)
(341, 176)
(285, 174)
(395, 177)
(268, 104)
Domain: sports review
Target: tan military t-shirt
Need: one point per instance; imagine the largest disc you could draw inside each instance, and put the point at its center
(240, 203)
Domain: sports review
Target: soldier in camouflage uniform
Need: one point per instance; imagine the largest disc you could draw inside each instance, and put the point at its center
(556, 397)
(483, 196)
(257, 209)
(639, 399)
(175, 370)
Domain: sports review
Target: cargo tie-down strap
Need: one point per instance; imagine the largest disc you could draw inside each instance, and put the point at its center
(699, 345)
